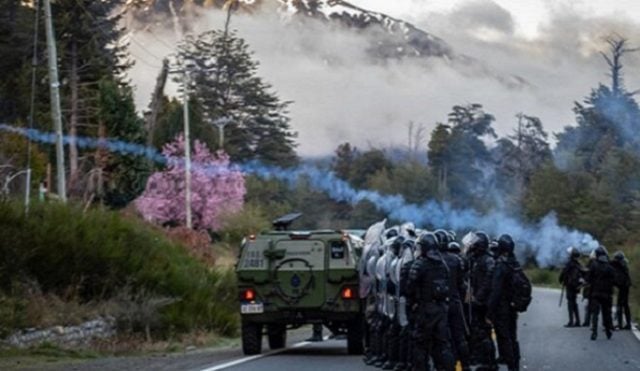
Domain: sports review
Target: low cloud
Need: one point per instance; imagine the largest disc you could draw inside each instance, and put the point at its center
(341, 94)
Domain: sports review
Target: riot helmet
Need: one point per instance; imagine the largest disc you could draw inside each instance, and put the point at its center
(391, 233)
(396, 245)
(481, 242)
(619, 256)
(506, 244)
(443, 239)
(454, 247)
(602, 254)
(427, 242)
(573, 252)
(408, 244)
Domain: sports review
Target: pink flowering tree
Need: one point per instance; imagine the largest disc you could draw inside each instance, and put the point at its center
(216, 188)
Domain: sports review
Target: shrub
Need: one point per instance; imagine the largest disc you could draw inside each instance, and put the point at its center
(98, 253)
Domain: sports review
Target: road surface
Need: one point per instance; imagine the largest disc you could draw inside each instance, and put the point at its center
(546, 345)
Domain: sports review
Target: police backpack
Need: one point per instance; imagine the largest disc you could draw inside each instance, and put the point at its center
(520, 290)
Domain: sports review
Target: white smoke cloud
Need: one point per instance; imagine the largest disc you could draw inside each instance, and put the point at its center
(340, 94)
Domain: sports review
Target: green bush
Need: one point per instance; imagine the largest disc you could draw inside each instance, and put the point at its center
(543, 277)
(93, 255)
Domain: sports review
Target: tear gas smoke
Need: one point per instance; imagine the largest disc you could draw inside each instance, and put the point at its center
(547, 239)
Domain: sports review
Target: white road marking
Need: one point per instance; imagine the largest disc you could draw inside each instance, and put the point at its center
(258, 356)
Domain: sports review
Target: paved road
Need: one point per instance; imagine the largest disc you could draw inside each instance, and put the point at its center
(546, 345)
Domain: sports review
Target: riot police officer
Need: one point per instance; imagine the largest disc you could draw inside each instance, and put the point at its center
(457, 323)
(623, 283)
(429, 289)
(392, 335)
(601, 278)
(571, 279)
(405, 318)
(481, 266)
(503, 316)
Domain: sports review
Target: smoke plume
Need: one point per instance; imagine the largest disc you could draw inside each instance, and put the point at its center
(547, 239)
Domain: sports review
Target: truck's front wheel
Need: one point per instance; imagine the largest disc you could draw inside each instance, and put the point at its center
(355, 337)
(251, 338)
(277, 336)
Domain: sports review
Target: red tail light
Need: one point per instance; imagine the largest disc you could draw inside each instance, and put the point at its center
(249, 295)
(348, 293)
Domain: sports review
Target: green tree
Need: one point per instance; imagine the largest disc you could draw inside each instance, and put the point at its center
(224, 81)
(518, 156)
(124, 176)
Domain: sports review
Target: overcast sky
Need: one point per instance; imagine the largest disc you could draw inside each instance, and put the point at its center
(528, 15)
(339, 95)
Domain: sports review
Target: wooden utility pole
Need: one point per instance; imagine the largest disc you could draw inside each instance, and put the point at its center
(187, 147)
(156, 102)
(55, 101)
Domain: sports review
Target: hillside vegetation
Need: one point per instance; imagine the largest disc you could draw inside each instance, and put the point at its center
(65, 262)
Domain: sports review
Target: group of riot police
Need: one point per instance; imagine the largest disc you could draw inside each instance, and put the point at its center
(597, 281)
(432, 304)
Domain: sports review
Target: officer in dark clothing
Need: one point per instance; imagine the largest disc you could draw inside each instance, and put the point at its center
(571, 279)
(392, 335)
(503, 316)
(586, 291)
(457, 324)
(428, 288)
(601, 278)
(481, 266)
(623, 283)
(405, 347)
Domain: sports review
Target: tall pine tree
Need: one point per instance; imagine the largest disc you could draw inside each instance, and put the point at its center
(224, 81)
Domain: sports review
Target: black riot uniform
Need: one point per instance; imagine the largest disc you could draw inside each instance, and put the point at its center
(429, 289)
(503, 316)
(457, 323)
(392, 335)
(571, 279)
(481, 266)
(405, 354)
(601, 278)
(623, 283)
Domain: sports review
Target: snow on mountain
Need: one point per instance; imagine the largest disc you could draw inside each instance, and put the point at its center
(415, 42)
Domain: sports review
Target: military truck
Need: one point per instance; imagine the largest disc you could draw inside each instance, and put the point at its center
(287, 279)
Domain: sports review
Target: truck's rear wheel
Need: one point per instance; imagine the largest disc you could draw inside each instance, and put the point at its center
(355, 337)
(251, 338)
(277, 335)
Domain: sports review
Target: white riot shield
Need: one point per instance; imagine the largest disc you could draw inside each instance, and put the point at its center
(408, 230)
(381, 278)
(402, 312)
(407, 256)
(468, 240)
(372, 241)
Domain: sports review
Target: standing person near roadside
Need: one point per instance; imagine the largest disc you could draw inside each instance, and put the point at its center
(623, 283)
(601, 278)
(501, 312)
(481, 265)
(571, 279)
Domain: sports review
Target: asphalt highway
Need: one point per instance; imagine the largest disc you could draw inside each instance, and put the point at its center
(545, 344)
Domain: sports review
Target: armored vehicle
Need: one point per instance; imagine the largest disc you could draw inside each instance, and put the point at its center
(287, 279)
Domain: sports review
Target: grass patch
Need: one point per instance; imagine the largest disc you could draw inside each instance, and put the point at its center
(543, 277)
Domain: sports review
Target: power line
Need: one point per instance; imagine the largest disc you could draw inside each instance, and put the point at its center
(97, 22)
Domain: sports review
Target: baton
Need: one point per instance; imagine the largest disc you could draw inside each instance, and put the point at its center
(561, 296)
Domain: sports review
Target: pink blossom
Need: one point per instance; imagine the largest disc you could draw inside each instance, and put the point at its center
(216, 188)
